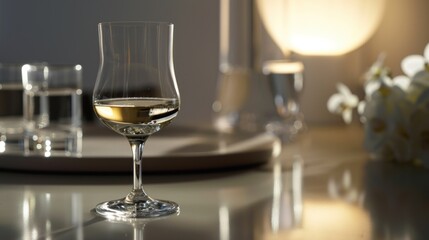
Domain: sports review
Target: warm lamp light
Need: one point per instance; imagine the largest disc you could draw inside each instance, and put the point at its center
(320, 27)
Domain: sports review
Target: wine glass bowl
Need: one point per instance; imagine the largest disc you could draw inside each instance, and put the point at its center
(136, 95)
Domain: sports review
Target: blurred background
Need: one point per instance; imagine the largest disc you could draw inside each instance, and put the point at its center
(66, 32)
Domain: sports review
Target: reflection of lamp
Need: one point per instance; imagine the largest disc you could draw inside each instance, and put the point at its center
(320, 27)
(324, 219)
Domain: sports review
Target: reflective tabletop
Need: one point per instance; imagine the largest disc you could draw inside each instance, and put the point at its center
(322, 186)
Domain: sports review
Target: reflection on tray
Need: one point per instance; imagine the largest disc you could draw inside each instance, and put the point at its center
(189, 151)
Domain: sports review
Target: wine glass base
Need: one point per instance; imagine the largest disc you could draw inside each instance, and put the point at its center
(286, 129)
(148, 208)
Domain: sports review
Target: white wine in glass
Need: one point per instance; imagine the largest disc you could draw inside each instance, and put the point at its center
(136, 116)
(136, 95)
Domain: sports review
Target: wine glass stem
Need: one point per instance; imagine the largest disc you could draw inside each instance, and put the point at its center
(137, 145)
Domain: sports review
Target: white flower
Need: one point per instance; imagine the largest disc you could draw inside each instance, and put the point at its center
(413, 64)
(379, 74)
(416, 69)
(402, 82)
(377, 69)
(343, 102)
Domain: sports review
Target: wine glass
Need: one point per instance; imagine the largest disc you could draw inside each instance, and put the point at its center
(136, 95)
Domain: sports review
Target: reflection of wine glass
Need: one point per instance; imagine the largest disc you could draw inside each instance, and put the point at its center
(138, 225)
(136, 95)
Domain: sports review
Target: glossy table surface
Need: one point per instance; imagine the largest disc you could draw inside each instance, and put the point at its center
(322, 186)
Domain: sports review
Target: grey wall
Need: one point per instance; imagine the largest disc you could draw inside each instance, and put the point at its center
(66, 32)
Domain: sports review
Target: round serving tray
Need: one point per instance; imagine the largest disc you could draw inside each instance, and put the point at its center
(188, 151)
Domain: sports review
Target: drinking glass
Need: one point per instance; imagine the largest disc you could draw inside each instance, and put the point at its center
(136, 95)
(286, 84)
(52, 109)
(11, 111)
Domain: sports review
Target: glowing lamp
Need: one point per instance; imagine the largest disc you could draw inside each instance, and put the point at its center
(320, 27)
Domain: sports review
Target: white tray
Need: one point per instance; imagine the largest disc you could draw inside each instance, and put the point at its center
(190, 152)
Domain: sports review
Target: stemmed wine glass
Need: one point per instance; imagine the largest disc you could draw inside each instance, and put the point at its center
(136, 95)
